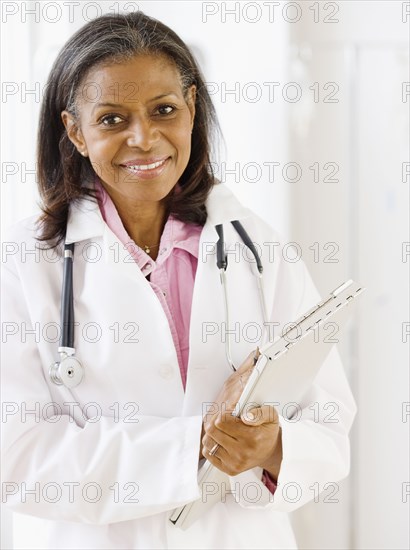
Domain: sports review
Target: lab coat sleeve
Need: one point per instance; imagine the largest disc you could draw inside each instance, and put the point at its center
(103, 472)
(315, 438)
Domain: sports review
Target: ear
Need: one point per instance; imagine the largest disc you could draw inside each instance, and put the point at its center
(191, 97)
(74, 133)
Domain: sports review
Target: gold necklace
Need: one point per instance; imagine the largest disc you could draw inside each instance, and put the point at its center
(147, 247)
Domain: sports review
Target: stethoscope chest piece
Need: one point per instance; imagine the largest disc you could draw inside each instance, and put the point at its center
(68, 372)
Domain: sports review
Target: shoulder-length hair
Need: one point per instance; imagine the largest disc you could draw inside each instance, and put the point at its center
(62, 172)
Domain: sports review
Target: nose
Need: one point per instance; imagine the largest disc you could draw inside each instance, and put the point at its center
(143, 133)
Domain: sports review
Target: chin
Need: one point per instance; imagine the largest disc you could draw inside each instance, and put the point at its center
(150, 195)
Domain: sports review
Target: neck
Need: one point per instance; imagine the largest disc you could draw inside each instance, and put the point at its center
(144, 223)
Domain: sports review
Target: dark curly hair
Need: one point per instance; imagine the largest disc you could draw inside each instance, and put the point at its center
(62, 172)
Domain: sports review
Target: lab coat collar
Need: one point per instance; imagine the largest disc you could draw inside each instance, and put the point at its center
(86, 222)
(223, 206)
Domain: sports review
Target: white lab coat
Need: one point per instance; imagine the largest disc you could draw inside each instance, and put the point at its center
(110, 481)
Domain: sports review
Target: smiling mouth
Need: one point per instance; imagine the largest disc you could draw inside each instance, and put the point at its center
(144, 167)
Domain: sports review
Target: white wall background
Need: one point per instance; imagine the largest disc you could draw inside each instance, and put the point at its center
(367, 215)
(359, 51)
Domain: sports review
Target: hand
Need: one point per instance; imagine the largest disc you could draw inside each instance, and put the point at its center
(253, 440)
(231, 391)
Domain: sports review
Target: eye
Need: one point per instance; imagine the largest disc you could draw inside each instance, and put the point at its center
(110, 120)
(166, 109)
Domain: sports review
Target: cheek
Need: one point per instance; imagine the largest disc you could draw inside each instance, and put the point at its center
(103, 149)
(183, 139)
(101, 153)
(94, 134)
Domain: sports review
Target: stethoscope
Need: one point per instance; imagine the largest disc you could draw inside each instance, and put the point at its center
(69, 371)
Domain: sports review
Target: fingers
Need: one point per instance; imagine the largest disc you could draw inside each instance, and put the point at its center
(223, 429)
(211, 447)
(212, 452)
(234, 445)
(224, 424)
(256, 355)
(249, 362)
(259, 415)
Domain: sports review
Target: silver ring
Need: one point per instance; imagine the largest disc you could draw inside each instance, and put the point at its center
(212, 452)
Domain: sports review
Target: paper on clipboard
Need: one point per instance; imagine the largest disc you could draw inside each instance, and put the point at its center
(283, 373)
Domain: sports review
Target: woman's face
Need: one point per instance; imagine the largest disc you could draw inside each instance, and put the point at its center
(135, 126)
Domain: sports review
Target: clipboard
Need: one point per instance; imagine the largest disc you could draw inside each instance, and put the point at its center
(282, 375)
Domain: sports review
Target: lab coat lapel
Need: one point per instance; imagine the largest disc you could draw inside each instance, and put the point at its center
(85, 223)
(207, 366)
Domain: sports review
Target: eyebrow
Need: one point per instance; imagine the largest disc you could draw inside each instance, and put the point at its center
(99, 105)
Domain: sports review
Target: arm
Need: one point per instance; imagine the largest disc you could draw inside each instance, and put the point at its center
(312, 449)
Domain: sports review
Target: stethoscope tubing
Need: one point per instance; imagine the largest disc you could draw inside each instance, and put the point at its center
(222, 264)
(67, 305)
(67, 298)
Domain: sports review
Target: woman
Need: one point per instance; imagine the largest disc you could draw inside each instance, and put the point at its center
(125, 174)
